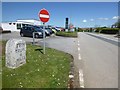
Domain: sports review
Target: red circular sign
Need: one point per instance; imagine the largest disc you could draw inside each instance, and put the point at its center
(44, 15)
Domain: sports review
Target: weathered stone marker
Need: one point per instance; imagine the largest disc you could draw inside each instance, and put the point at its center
(15, 53)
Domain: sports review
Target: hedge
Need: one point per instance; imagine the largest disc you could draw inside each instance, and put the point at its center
(67, 34)
(6, 31)
(108, 30)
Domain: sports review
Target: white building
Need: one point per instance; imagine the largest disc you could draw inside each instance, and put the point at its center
(16, 26)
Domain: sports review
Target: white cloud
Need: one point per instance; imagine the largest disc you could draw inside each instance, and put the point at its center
(84, 20)
(91, 19)
(103, 18)
(116, 17)
(106, 18)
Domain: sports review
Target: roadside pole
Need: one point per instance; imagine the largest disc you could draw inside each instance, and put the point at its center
(33, 39)
(44, 38)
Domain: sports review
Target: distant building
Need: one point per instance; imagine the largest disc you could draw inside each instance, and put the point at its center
(16, 26)
(71, 27)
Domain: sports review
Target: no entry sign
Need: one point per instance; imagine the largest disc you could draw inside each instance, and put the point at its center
(44, 15)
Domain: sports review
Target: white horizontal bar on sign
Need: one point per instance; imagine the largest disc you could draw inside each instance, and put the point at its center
(44, 16)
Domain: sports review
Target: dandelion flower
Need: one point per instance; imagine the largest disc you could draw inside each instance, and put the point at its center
(38, 70)
(53, 75)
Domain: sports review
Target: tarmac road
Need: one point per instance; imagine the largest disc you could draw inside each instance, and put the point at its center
(100, 62)
(16, 35)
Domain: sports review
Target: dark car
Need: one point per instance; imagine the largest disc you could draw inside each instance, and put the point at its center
(47, 31)
(28, 31)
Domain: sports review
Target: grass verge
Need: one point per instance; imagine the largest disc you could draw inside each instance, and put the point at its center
(41, 71)
(67, 34)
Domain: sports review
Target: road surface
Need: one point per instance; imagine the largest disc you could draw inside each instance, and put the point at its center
(99, 62)
(16, 35)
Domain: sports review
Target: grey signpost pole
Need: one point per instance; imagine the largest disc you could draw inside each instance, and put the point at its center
(33, 39)
(44, 38)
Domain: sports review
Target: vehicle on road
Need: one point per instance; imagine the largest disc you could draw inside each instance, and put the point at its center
(54, 31)
(28, 31)
(57, 29)
(47, 32)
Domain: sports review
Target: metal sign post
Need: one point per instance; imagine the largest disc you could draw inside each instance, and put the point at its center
(44, 38)
(33, 39)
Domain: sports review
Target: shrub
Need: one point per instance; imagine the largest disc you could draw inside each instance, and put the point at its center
(98, 29)
(67, 34)
(6, 31)
(80, 30)
(109, 30)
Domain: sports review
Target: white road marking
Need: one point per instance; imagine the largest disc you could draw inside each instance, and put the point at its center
(78, 49)
(79, 57)
(44, 16)
(81, 79)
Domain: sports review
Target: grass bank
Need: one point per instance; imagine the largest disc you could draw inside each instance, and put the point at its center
(67, 34)
(41, 71)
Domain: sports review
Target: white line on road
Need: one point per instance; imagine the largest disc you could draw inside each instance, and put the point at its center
(81, 80)
(79, 57)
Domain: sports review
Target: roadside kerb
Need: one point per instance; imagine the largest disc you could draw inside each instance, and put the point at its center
(114, 42)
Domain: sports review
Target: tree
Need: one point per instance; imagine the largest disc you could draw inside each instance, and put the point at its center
(117, 24)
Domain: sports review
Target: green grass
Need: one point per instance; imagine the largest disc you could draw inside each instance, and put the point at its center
(41, 71)
(67, 34)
